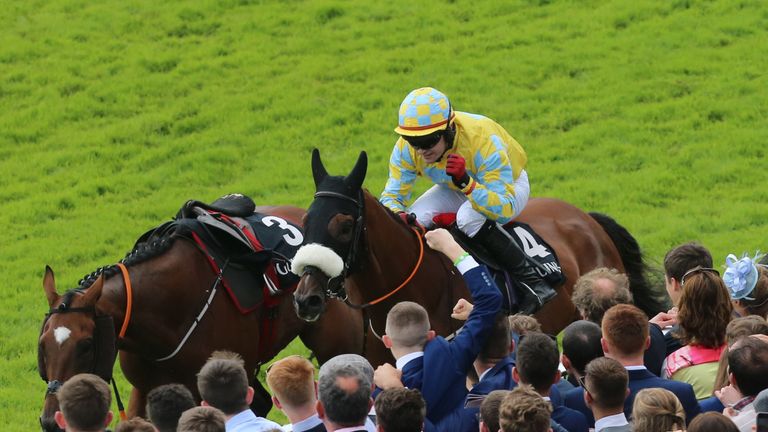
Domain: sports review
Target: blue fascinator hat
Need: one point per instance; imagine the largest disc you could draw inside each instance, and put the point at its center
(741, 276)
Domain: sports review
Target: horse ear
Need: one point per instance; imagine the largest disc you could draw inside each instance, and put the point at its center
(318, 170)
(49, 286)
(356, 177)
(93, 293)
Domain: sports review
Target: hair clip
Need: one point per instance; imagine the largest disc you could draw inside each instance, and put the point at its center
(741, 275)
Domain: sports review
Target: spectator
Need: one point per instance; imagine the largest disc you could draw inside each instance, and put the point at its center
(605, 383)
(602, 288)
(400, 410)
(596, 291)
(84, 402)
(625, 337)
(223, 384)
(436, 367)
(165, 405)
(524, 410)
(537, 361)
(656, 409)
(761, 401)
(136, 424)
(581, 345)
(704, 311)
(748, 365)
(202, 419)
(489, 411)
(344, 393)
(712, 422)
(676, 263)
(738, 328)
(292, 381)
(747, 283)
(522, 324)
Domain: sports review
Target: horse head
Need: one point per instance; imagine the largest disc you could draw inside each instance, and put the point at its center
(74, 339)
(332, 235)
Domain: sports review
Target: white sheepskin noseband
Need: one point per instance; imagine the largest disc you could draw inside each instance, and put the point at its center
(322, 257)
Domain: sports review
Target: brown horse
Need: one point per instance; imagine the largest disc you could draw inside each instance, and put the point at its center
(381, 252)
(173, 287)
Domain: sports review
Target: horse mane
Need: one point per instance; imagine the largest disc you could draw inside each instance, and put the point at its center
(142, 251)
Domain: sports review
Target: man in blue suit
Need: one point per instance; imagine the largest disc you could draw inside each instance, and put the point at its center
(430, 363)
(537, 366)
(625, 338)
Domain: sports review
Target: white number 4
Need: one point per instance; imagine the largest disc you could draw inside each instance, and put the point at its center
(530, 246)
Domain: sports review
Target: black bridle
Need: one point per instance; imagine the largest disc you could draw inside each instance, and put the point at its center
(335, 286)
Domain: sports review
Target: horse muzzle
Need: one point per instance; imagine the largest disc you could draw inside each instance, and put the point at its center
(47, 420)
(309, 299)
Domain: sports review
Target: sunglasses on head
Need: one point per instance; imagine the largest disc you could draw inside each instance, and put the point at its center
(695, 270)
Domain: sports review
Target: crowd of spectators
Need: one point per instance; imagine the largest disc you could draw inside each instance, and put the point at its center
(701, 366)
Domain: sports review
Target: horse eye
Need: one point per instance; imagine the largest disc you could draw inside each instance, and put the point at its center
(85, 345)
(346, 228)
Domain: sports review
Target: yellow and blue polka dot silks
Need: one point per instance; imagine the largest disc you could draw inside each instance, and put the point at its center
(494, 160)
(422, 112)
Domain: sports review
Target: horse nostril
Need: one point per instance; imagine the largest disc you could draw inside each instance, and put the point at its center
(314, 302)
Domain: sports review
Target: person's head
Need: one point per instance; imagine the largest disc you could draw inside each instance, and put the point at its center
(499, 341)
(522, 324)
(537, 362)
(344, 391)
(425, 121)
(84, 402)
(712, 422)
(681, 259)
(657, 409)
(581, 344)
(625, 332)
(761, 401)
(136, 424)
(407, 327)
(747, 283)
(165, 405)
(524, 410)
(202, 419)
(223, 383)
(489, 410)
(596, 291)
(400, 410)
(292, 381)
(736, 329)
(704, 309)
(748, 365)
(605, 384)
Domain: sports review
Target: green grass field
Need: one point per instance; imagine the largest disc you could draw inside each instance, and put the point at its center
(113, 113)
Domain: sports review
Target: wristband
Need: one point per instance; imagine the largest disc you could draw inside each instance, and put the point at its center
(460, 258)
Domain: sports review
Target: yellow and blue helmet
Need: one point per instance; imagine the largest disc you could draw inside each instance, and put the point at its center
(424, 111)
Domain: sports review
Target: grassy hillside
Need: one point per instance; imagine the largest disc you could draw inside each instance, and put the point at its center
(113, 113)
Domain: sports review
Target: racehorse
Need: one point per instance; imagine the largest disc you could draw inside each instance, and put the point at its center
(168, 323)
(359, 251)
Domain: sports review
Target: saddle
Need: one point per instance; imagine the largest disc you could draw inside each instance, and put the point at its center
(250, 249)
(538, 251)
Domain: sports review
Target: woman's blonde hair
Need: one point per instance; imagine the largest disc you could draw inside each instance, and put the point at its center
(657, 409)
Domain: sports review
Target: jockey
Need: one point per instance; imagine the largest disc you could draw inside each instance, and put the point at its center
(479, 173)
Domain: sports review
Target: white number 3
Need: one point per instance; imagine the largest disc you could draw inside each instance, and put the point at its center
(293, 237)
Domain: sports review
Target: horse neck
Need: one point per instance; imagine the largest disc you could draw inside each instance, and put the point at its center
(392, 247)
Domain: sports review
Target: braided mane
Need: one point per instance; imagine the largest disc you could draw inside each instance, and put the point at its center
(141, 252)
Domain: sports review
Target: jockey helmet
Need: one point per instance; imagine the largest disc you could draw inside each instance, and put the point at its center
(424, 111)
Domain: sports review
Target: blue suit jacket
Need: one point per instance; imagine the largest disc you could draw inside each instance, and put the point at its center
(442, 375)
(498, 378)
(638, 380)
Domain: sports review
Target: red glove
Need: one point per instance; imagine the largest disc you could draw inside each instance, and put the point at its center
(456, 167)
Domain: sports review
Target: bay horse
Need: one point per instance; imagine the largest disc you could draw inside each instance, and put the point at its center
(172, 288)
(357, 250)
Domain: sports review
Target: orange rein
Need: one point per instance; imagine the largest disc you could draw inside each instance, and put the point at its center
(129, 299)
(419, 234)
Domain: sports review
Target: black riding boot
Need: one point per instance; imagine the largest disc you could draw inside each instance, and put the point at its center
(508, 253)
